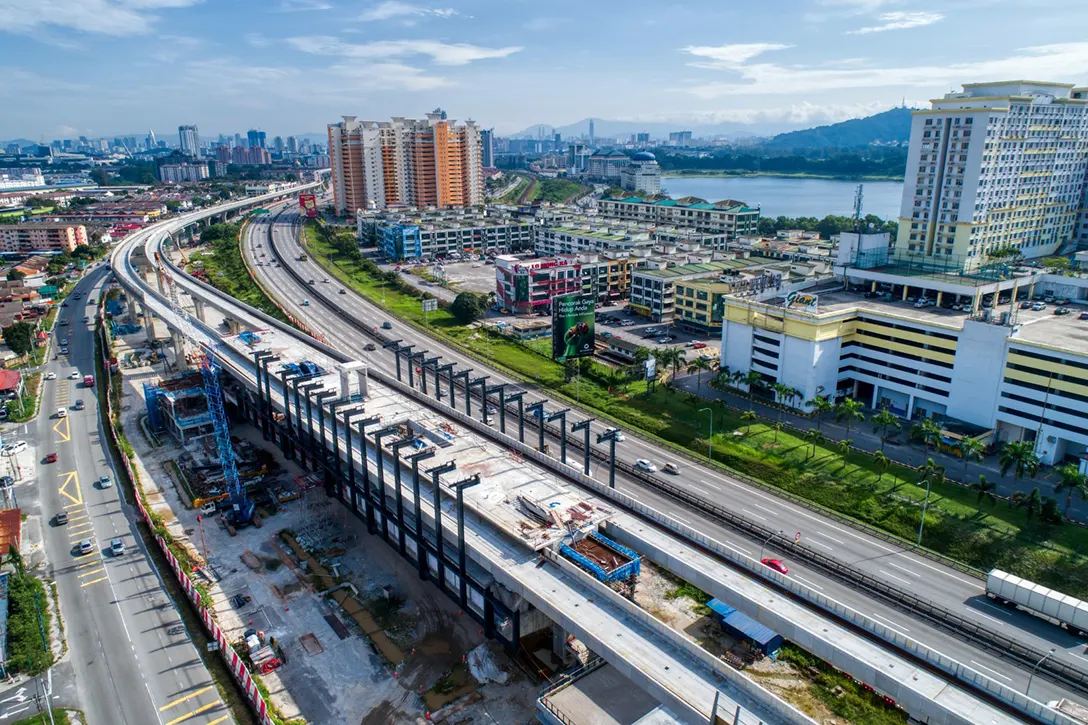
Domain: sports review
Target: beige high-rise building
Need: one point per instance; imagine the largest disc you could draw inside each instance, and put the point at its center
(405, 162)
(997, 166)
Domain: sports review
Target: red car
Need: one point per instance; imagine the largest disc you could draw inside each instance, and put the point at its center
(699, 345)
(776, 565)
(51, 458)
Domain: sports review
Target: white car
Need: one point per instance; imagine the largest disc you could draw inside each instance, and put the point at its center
(62, 412)
(643, 465)
(50, 376)
(64, 351)
(75, 375)
(12, 448)
(305, 303)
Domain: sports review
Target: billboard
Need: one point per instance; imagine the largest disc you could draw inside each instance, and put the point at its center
(801, 301)
(308, 204)
(572, 327)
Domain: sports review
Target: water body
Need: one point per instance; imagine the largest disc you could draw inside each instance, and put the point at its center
(792, 197)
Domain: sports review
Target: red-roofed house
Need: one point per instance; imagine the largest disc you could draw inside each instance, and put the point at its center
(11, 383)
(11, 529)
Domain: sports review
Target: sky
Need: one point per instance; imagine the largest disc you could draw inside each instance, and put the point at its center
(111, 67)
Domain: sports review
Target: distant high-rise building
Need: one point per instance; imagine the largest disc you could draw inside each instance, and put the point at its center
(642, 138)
(151, 139)
(292, 145)
(996, 167)
(431, 162)
(223, 154)
(237, 139)
(190, 140)
(680, 138)
(641, 174)
(577, 157)
(557, 139)
(487, 147)
(67, 144)
(277, 144)
(592, 134)
(256, 138)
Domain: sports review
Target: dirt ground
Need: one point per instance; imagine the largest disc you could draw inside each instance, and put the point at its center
(327, 679)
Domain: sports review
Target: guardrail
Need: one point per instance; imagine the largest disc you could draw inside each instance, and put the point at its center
(900, 598)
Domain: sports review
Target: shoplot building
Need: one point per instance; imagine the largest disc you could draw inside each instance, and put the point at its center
(730, 217)
(430, 235)
(1011, 373)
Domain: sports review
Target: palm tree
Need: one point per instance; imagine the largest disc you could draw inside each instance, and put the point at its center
(642, 354)
(930, 474)
(753, 380)
(672, 356)
(1020, 457)
(1071, 481)
(724, 373)
(777, 429)
(736, 378)
(844, 449)
(698, 366)
(884, 420)
(748, 416)
(1033, 501)
(928, 431)
(782, 392)
(820, 406)
(985, 491)
(881, 463)
(849, 410)
(815, 437)
(970, 449)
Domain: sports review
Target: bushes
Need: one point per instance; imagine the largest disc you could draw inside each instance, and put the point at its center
(27, 649)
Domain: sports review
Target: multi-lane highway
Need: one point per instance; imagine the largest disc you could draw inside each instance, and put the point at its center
(131, 661)
(957, 592)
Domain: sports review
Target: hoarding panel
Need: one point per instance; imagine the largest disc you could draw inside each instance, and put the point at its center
(572, 327)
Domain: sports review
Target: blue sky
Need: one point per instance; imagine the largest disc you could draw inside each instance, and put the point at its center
(104, 67)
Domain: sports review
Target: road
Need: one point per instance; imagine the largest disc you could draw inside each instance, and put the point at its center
(958, 592)
(131, 661)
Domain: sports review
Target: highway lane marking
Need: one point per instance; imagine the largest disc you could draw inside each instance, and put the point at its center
(195, 712)
(190, 696)
(903, 568)
(94, 581)
(66, 434)
(92, 571)
(830, 538)
(680, 518)
(973, 584)
(750, 513)
(1073, 654)
(888, 621)
(68, 478)
(979, 664)
(764, 508)
(822, 545)
(806, 581)
(711, 485)
(984, 616)
(893, 576)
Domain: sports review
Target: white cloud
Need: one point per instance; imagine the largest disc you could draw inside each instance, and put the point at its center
(395, 9)
(729, 56)
(173, 47)
(387, 77)
(1043, 61)
(302, 6)
(899, 21)
(440, 53)
(109, 17)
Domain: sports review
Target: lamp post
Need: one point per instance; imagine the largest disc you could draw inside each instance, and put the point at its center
(767, 541)
(583, 426)
(561, 415)
(710, 440)
(1044, 658)
(436, 502)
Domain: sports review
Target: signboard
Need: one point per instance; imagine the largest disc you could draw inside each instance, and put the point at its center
(651, 368)
(572, 327)
(521, 288)
(801, 301)
(308, 204)
(430, 305)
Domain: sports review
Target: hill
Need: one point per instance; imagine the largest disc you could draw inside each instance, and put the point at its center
(888, 127)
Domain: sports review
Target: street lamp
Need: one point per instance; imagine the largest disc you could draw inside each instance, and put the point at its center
(766, 541)
(710, 440)
(1044, 658)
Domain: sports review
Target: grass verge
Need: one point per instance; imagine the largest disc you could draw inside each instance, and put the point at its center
(25, 407)
(28, 617)
(841, 693)
(995, 536)
(226, 271)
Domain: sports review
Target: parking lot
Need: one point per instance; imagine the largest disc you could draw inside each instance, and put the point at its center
(640, 331)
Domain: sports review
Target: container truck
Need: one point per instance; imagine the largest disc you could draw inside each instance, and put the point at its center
(1068, 611)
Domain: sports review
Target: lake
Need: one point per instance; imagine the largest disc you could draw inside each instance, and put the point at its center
(792, 197)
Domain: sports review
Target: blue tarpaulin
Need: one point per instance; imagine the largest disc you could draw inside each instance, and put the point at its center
(741, 626)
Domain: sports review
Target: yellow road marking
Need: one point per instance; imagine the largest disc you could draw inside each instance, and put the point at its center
(77, 518)
(96, 562)
(73, 506)
(82, 533)
(194, 713)
(190, 696)
(92, 571)
(216, 722)
(93, 581)
(66, 434)
(68, 478)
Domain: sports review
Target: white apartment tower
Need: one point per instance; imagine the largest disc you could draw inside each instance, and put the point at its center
(405, 162)
(190, 140)
(996, 166)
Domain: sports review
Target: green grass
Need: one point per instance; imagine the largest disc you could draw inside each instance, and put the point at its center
(25, 408)
(60, 717)
(555, 190)
(511, 196)
(226, 271)
(999, 536)
(840, 693)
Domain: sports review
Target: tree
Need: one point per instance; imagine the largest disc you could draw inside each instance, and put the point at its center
(884, 421)
(814, 436)
(970, 449)
(844, 450)
(748, 416)
(19, 337)
(931, 473)
(783, 392)
(698, 366)
(1071, 481)
(14, 275)
(1020, 457)
(881, 463)
(820, 406)
(672, 357)
(1033, 501)
(927, 431)
(642, 355)
(754, 381)
(985, 491)
(849, 410)
(468, 307)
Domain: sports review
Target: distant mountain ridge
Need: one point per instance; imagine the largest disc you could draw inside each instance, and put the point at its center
(889, 127)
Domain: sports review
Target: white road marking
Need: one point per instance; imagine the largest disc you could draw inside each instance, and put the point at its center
(711, 485)
(984, 616)
(893, 576)
(822, 545)
(762, 518)
(680, 518)
(831, 538)
(979, 664)
(973, 584)
(888, 621)
(806, 581)
(764, 508)
(903, 568)
(1073, 654)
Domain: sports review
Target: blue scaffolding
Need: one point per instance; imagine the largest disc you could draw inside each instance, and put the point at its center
(151, 400)
(620, 573)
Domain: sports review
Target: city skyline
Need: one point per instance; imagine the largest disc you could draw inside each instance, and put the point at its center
(293, 67)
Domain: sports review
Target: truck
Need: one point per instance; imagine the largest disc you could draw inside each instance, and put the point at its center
(1070, 708)
(88, 381)
(1009, 589)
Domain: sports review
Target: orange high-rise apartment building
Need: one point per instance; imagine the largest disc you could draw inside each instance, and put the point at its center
(405, 162)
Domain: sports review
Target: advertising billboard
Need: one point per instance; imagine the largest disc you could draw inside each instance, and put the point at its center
(308, 204)
(572, 327)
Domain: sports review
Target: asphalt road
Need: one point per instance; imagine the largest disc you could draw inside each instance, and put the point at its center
(957, 592)
(131, 660)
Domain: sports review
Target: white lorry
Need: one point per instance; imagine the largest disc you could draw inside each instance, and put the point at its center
(1069, 611)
